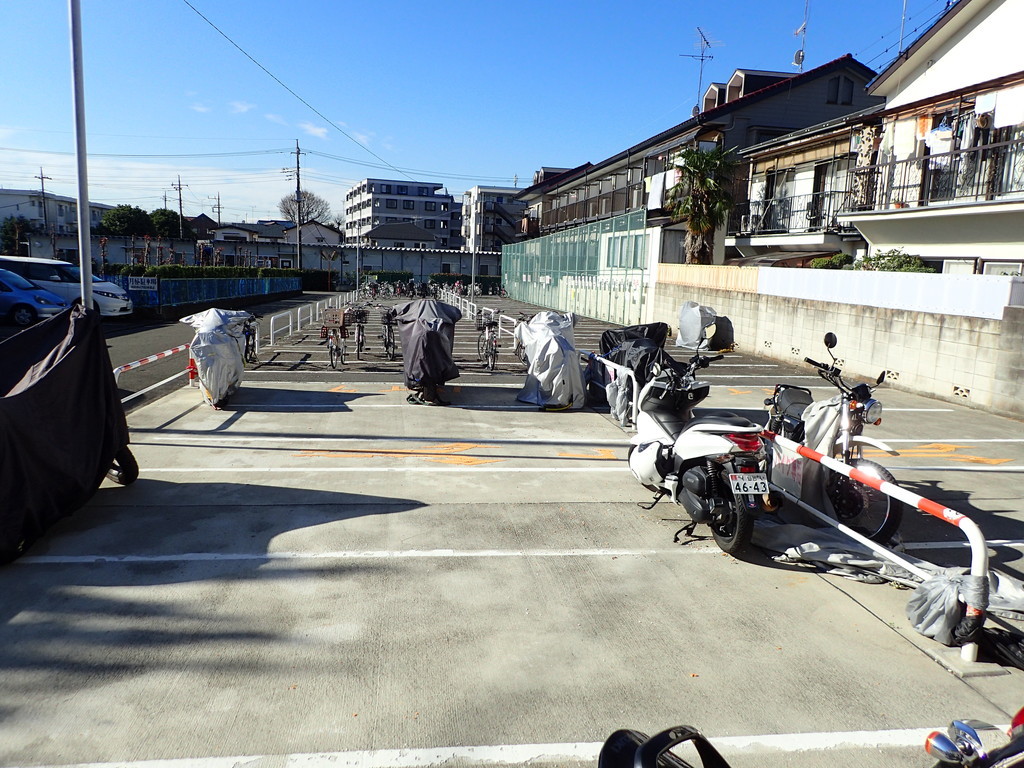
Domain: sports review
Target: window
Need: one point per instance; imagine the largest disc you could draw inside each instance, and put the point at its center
(390, 219)
(376, 203)
(399, 245)
(446, 269)
(840, 90)
(391, 203)
(444, 225)
(287, 264)
(403, 189)
(422, 191)
(409, 205)
(385, 188)
(444, 242)
(430, 205)
(430, 224)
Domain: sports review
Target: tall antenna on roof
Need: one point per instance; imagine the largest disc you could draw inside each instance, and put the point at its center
(801, 32)
(702, 45)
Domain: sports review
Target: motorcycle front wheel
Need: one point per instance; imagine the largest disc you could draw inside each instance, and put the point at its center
(866, 510)
(733, 528)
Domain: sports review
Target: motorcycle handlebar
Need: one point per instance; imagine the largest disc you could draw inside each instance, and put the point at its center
(815, 363)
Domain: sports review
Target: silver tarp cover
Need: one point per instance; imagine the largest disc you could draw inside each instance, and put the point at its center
(693, 319)
(554, 378)
(217, 349)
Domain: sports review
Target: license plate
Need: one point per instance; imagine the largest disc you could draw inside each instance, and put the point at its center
(748, 482)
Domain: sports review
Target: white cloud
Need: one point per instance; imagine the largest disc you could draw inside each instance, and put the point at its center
(198, 107)
(314, 130)
(276, 119)
(238, 107)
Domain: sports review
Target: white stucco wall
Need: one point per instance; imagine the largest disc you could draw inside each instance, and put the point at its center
(985, 46)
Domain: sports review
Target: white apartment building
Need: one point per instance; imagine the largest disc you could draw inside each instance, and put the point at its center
(47, 213)
(491, 217)
(374, 202)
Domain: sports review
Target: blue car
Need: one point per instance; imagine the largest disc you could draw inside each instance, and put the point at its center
(23, 302)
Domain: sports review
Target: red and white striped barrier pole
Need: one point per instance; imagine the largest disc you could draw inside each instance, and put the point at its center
(979, 547)
(152, 358)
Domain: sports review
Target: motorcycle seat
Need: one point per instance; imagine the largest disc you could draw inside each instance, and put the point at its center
(723, 417)
(672, 422)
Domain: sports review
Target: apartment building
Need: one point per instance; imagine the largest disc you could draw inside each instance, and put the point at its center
(375, 202)
(491, 217)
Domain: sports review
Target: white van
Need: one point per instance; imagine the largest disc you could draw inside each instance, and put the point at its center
(65, 280)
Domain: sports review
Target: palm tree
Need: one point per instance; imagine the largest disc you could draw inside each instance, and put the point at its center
(702, 197)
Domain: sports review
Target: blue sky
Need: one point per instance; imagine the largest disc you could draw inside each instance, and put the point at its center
(460, 93)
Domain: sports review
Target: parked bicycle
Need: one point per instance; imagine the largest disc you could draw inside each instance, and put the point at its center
(487, 342)
(334, 332)
(387, 331)
(251, 333)
(518, 348)
(358, 316)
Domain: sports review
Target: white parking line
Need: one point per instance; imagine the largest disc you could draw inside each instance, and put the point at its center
(613, 466)
(524, 754)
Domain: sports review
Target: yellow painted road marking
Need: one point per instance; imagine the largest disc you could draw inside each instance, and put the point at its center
(734, 391)
(442, 453)
(944, 450)
(343, 388)
(604, 454)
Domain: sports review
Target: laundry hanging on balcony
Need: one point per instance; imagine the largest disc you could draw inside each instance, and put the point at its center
(1009, 108)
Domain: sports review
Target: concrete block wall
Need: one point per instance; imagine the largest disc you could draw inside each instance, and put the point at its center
(973, 361)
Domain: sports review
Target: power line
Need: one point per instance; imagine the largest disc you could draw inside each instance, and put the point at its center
(293, 93)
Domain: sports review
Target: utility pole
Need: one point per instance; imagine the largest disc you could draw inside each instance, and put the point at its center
(181, 220)
(42, 192)
(217, 208)
(298, 210)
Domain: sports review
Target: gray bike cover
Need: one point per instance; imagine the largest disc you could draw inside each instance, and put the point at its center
(426, 330)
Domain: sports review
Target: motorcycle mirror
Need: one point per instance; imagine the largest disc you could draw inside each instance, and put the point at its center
(830, 340)
(880, 379)
(962, 733)
(942, 748)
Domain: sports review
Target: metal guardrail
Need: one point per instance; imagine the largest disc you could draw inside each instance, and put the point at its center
(979, 547)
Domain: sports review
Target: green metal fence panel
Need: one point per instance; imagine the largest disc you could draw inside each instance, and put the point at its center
(598, 270)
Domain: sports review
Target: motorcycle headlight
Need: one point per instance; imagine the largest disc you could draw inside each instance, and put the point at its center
(872, 411)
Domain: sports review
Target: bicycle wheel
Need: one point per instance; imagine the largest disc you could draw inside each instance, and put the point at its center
(492, 353)
(332, 351)
(868, 511)
(389, 343)
(520, 352)
(359, 342)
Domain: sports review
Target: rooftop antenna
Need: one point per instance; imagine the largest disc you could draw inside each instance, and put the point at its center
(702, 45)
(801, 32)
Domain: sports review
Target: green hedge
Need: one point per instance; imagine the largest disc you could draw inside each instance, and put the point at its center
(391, 276)
(184, 271)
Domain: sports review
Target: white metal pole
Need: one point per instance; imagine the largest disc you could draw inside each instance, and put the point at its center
(78, 87)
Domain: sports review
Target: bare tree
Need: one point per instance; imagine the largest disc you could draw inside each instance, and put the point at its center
(311, 207)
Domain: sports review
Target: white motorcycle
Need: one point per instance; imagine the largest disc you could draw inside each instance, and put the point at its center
(835, 427)
(711, 465)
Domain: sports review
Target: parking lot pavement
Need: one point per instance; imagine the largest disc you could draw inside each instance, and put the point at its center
(323, 573)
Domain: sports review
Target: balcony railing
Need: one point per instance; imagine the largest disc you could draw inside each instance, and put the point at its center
(815, 212)
(989, 172)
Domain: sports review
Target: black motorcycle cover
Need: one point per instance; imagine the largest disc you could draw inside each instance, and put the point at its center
(613, 337)
(426, 330)
(61, 424)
